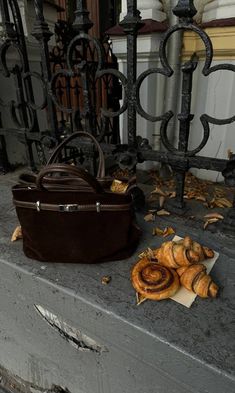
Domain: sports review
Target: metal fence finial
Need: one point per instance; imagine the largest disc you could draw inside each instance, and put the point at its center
(185, 10)
(82, 21)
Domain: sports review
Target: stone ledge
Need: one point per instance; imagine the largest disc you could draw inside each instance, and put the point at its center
(180, 349)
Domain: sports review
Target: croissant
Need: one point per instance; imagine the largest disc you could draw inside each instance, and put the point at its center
(185, 252)
(154, 281)
(194, 278)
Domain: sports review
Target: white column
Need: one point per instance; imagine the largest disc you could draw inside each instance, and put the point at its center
(219, 9)
(214, 94)
(149, 9)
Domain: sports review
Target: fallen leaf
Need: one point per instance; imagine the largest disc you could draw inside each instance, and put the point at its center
(147, 254)
(140, 298)
(210, 221)
(171, 194)
(219, 192)
(200, 198)
(149, 217)
(17, 234)
(163, 213)
(229, 154)
(106, 280)
(168, 231)
(118, 186)
(214, 215)
(157, 232)
(191, 194)
(220, 202)
(161, 200)
(159, 191)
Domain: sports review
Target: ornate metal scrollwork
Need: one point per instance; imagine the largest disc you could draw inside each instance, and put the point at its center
(84, 69)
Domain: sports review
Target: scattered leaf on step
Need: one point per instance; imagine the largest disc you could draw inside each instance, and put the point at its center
(220, 202)
(140, 298)
(159, 191)
(17, 234)
(171, 194)
(210, 221)
(191, 195)
(157, 232)
(161, 200)
(229, 153)
(118, 186)
(214, 215)
(147, 254)
(106, 280)
(163, 213)
(168, 231)
(200, 198)
(149, 217)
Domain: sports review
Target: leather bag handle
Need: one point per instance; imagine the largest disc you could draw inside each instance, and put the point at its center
(70, 170)
(101, 168)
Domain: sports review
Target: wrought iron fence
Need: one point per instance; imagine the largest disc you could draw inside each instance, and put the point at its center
(180, 158)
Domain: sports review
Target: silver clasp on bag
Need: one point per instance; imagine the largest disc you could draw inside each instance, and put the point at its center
(98, 207)
(69, 208)
(38, 206)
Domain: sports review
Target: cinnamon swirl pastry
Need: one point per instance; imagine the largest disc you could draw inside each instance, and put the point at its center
(154, 281)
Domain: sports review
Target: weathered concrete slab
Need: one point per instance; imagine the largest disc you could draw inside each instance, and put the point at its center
(158, 347)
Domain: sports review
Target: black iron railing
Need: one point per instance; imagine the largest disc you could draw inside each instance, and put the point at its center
(180, 158)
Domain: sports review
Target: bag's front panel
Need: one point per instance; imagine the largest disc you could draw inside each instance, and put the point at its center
(81, 236)
(74, 237)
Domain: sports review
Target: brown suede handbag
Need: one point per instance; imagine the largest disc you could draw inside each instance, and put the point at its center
(73, 219)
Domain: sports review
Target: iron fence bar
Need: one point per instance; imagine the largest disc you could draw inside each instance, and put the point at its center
(6, 20)
(131, 24)
(13, 35)
(42, 34)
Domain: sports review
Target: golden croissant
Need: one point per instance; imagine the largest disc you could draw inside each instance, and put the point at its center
(194, 278)
(185, 252)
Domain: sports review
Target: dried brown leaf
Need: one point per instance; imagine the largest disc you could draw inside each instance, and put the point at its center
(163, 213)
(140, 299)
(106, 280)
(161, 200)
(157, 232)
(118, 186)
(220, 202)
(159, 191)
(17, 234)
(191, 195)
(168, 231)
(229, 153)
(172, 194)
(149, 217)
(147, 254)
(225, 202)
(210, 221)
(214, 215)
(200, 198)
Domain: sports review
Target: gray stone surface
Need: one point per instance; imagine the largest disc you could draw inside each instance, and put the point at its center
(157, 347)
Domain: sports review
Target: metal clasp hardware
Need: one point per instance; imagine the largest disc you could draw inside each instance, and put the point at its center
(38, 206)
(69, 208)
(98, 207)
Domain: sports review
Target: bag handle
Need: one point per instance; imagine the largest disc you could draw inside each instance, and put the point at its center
(101, 168)
(71, 170)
